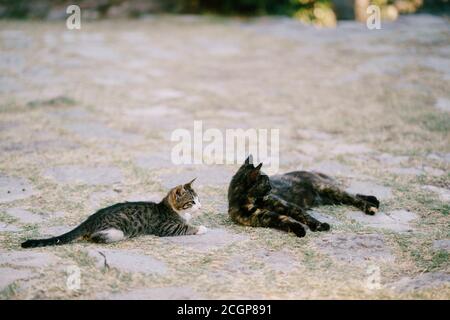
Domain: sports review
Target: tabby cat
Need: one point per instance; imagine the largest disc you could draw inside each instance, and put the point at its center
(130, 219)
(281, 201)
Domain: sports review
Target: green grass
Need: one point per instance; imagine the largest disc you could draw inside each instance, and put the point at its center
(435, 122)
(9, 291)
(444, 209)
(4, 217)
(59, 101)
(433, 262)
(439, 259)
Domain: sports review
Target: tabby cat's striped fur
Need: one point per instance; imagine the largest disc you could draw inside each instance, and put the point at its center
(130, 219)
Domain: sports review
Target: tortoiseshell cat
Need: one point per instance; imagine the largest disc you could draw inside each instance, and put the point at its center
(281, 201)
(130, 219)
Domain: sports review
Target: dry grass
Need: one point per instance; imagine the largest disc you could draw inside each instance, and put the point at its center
(282, 81)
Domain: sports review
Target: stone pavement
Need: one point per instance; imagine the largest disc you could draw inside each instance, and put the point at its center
(86, 118)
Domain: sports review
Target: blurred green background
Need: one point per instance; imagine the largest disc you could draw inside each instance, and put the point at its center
(317, 12)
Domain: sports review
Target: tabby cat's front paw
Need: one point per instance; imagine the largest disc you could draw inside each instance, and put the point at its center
(202, 230)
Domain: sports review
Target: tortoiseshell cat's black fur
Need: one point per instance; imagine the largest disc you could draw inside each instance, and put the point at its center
(130, 219)
(281, 201)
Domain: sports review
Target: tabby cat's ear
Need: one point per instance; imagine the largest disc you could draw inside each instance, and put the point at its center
(249, 160)
(190, 183)
(179, 190)
(259, 166)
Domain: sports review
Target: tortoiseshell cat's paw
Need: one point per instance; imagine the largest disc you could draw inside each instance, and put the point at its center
(323, 226)
(370, 199)
(373, 203)
(298, 230)
(202, 230)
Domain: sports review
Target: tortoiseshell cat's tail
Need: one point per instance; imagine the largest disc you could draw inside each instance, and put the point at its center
(76, 233)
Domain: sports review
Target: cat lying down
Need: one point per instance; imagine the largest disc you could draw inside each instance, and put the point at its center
(169, 217)
(254, 200)
(281, 201)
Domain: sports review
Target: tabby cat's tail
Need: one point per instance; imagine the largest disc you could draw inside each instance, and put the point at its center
(55, 241)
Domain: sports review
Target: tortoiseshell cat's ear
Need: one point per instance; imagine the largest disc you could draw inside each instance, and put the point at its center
(255, 172)
(249, 160)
